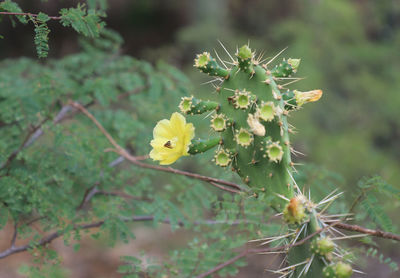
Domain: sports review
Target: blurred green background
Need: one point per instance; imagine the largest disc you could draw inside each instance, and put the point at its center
(349, 49)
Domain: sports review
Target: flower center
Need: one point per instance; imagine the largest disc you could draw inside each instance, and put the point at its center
(170, 144)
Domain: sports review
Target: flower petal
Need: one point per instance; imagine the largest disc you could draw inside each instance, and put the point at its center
(163, 129)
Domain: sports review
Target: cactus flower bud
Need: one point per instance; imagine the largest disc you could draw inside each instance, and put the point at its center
(294, 211)
(295, 63)
(338, 270)
(244, 52)
(322, 246)
(305, 97)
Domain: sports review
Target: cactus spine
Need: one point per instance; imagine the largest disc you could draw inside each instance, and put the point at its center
(250, 121)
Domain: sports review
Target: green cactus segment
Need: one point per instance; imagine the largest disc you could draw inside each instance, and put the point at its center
(245, 59)
(252, 121)
(207, 64)
(251, 106)
(295, 99)
(304, 252)
(200, 145)
(191, 106)
(338, 270)
(286, 68)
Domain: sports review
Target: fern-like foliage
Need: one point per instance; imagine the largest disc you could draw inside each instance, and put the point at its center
(85, 22)
(10, 6)
(41, 34)
(374, 253)
(370, 191)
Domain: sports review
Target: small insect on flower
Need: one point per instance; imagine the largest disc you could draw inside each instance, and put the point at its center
(171, 139)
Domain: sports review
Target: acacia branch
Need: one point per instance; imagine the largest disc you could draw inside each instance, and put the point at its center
(233, 187)
(376, 233)
(30, 14)
(14, 154)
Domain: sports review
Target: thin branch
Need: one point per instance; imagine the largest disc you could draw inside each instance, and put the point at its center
(30, 14)
(14, 154)
(134, 160)
(15, 234)
(376, 233)
(49, 238)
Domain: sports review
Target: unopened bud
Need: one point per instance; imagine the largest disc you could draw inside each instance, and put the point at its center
(305, 97)
(295, 63)
(294, 211)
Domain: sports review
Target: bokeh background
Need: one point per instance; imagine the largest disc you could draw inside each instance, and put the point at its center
(349, 49)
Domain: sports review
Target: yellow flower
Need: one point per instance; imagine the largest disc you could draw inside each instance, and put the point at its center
(171, 139)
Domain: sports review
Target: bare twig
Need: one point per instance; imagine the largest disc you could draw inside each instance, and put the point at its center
(376, 233)
(30, 14)
(235, 188)
(14, 154)
(15, 234)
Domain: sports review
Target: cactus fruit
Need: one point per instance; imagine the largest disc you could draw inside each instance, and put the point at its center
(338, 270)
(294, 211)
(322, 246)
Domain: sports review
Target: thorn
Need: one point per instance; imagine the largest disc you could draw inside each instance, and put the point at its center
(226, 51)
(216, 53)
(270, 61)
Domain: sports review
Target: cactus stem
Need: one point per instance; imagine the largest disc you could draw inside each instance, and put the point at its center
(207, 64)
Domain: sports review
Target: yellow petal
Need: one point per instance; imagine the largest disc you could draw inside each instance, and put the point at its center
(178, 123)
(163, 129)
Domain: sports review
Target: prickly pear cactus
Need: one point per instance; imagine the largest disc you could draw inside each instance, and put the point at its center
(252, 139)
(251, 119)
